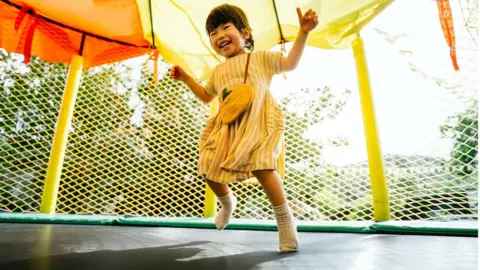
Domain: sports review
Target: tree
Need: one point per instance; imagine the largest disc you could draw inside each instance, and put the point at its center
(463, 128)
(98, 165)
(172, 124)
(113, 165)
(303, 165)
(28, 104)
(30, 97)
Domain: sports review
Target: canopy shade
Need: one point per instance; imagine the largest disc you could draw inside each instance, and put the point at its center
(115, 30)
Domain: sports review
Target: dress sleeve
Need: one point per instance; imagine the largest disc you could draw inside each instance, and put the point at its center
(272, 62)
(210, 86)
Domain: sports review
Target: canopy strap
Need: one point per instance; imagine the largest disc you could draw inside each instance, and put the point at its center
(445, 13)
(27, 48)
(282, 39)
(155, 53)
(151, 23)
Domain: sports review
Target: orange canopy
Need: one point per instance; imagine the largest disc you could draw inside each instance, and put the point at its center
(55, 32)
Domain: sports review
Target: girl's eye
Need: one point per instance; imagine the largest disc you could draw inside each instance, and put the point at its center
(213, 34)
(226, 27)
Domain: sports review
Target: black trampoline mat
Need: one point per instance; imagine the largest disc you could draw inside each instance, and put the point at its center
(88, 247)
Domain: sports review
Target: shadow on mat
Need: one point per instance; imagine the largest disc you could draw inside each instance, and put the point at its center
(166, 257)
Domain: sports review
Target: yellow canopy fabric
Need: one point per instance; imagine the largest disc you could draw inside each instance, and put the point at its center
(179, 26)
(115, 30)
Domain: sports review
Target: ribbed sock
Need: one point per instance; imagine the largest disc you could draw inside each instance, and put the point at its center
(287, 229)
(228, 203)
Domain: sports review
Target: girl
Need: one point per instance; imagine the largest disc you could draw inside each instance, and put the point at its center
(253, 144)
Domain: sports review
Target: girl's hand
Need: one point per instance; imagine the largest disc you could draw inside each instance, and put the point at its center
(179, 74)
(309, 21)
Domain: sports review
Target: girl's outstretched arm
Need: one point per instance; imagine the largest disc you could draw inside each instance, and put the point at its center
(199, 90)
(308, 22)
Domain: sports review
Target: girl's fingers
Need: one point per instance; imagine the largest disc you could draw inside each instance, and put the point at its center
(175, 72)
(299, 13)
(308, 13)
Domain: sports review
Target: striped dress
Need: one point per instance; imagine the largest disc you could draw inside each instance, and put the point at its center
(255, 141)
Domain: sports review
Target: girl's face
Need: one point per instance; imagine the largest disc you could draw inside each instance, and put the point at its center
(227, 40)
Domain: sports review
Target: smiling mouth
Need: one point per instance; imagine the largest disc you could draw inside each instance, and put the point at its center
(224, 44)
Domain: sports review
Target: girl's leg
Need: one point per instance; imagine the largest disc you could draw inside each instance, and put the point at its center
(219, 189)
(227, 201)
(287, 230)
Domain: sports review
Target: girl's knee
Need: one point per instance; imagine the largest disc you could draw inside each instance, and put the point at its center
(263, 173)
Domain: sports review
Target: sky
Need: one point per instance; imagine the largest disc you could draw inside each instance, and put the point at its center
(410, 106)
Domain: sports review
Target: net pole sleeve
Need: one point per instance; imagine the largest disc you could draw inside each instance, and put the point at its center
(57, 154)
(381, 206)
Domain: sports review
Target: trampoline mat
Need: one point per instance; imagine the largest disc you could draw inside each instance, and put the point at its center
(91, 247)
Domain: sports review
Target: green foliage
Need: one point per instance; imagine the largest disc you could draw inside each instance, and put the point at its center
(28, 107)
(172, 124)
(303, 110)
(31, 97)
(463, 128)
(108, 157)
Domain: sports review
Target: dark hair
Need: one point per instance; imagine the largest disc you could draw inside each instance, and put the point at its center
(230, 14)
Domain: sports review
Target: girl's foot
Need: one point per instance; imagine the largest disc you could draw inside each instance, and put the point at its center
(228, 203)
(287, 229)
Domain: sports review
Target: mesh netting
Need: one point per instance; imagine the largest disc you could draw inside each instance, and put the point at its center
(435, 176)
(30, 98)
(132, 147)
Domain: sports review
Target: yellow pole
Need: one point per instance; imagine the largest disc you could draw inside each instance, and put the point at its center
(381, 207)
(210, 198)
(54, 170)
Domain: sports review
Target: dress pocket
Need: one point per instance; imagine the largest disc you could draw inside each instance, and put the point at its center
(275, 117)
(207, 131)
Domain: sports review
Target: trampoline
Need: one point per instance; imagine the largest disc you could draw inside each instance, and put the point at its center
(149, 199)
(71, 246)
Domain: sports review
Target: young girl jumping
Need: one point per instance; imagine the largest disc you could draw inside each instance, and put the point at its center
(253, 144)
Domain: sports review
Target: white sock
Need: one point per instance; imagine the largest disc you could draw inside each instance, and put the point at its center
(287, 229)
(228, 203)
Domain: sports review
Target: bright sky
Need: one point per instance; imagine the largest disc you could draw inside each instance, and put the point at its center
(409, 107)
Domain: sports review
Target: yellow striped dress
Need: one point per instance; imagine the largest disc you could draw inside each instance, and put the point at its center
(255, 141)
